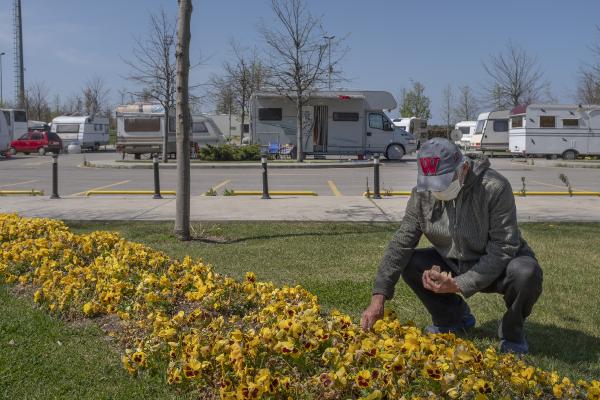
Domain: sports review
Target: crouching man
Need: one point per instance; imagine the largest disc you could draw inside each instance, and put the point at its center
(467, 211)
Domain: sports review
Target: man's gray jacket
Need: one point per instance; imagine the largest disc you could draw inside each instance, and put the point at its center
(476, 234)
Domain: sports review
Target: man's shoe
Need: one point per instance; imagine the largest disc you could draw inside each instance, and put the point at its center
(518, 348)
(467, 322)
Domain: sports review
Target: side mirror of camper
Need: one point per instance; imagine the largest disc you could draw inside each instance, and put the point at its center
(387, 126)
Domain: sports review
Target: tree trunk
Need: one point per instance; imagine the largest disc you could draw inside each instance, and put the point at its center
(182, 204)
(166, 136)
(299, 133)
(242, 130)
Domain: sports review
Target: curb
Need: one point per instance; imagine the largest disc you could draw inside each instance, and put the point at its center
(91, 164)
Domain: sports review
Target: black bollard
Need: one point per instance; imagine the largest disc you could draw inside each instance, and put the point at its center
(156, 179)
(55, 177)
(377, 194)
(265, 178)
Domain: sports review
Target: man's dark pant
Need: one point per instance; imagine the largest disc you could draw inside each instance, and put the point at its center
(520, 284)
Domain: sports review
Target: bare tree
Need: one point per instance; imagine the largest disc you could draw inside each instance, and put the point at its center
(183, 127)
(588, 85)
(153, 67)
(447, 110)
(297, 63)
(466, 108)
(515, 78)
(36, 102)
(95, 96)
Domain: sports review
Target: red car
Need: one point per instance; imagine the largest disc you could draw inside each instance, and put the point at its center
(39, 142)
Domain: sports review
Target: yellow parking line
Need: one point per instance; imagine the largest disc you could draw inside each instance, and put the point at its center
(19, 183)
(334, 189)
(100, 188)
(220, 185)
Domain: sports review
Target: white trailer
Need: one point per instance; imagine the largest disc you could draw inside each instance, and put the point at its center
(467, 129)
(4, 136)
(416, 126)
(141, 129)
(89, 132)
(335, 122)
(491, 132)
(555, 130)
(16, 121)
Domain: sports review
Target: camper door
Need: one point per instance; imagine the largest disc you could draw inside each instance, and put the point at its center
(380, 132)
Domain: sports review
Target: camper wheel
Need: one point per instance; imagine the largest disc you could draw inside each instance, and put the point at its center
(395, 152)
(569, 155)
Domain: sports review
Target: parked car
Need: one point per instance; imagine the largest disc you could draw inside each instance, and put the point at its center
(36, 142)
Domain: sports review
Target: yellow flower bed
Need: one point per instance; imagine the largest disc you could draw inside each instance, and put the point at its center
(247, 340)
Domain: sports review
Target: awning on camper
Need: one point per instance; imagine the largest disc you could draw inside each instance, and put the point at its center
(375, 99)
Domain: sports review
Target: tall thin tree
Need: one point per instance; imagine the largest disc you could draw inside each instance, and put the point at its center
(152, 66)
(183, 127)
(297, 64)
(466, 104)
(447, 109)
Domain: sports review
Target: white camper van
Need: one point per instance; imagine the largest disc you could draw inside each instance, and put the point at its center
(4, 136)
(335, 122)
(16, 121)
(205, 131)
(141, 128)
(491, 132)
(467, 129)
(416, 126)
(555, 130)
(89, 132)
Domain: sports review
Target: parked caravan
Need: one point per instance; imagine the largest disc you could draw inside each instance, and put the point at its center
(16, 121)
(416, 126)
(335, 122)
(231, 125)
(205, 131)
(491, 132)
(89, 132)
(467, 129)
(141, 129)
(4, 136)
(555, 130)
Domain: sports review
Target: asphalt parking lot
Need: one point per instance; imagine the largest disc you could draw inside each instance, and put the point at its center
(34, 172)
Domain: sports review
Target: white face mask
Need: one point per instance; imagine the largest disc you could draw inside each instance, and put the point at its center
(450, 193)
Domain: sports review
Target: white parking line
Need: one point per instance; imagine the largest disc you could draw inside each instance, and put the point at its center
(219, 186)
(100, 188)
(18, 183)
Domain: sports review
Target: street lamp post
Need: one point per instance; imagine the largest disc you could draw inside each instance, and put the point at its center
(329, 71)
(1, 96)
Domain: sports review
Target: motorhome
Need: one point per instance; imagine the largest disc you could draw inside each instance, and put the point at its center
(16, 121)
(467, 129)
(4, 136)
(555, 130)
(89, 132)
(416, 126)
(491, 132)
(231, 125)
(141, 129)
(334, 122)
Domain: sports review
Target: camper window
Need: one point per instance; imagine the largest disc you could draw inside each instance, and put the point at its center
(67, 128)
(142, 124)
(501, 125)
(269, 114)
(517, 122)
(571, 122)
(480, 126)
(172, 127)
(246, 128)
(199, 127)
(345, 116)
(464, 130)
(376, 121)
(20, 116)
(547, 121)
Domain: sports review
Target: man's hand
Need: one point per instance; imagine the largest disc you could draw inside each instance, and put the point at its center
(373, 313)
(439, 282)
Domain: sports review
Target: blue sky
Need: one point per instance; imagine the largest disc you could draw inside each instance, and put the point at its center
(437, 42)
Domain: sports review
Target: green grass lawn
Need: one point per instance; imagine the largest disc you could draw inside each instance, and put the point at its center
(337, 262)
